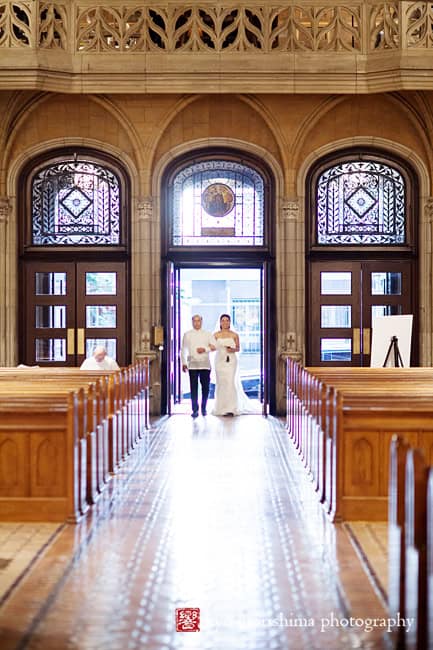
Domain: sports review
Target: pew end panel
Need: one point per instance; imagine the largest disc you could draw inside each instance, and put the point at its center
(396, 526)
(416, 548)
(364, 436)
(39, 459)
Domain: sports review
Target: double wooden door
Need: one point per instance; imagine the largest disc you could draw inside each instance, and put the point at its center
(344, 297)
(69, 308)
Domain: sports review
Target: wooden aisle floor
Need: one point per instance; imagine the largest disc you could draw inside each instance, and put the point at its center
(214, 514)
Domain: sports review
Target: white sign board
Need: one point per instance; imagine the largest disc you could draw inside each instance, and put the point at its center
(384, 329)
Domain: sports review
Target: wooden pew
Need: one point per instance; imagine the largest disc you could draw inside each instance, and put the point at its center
(397, 533)
(410, 546)
(121, 385)
(415, 574)
(42, 469)
(359, 440)
(96, 423)
(341, 430)
(112, 408)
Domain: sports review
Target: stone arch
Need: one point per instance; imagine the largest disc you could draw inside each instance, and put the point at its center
(8, 236)
(425, 231)
(218, 143)
(270, 166)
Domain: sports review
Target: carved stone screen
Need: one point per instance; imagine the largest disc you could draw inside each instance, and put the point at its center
(75, 203)
(361, 203)
(218, 203)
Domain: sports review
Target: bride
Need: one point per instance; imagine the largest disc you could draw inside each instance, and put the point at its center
(230, 398)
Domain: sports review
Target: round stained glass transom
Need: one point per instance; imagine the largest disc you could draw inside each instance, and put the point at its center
(217, 203)
(218, 200)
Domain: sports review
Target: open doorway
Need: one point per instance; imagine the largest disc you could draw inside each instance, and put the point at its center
(211, 292)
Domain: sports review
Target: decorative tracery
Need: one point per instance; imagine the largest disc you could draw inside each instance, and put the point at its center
(258, 28)
(361, 203)
(75, 202)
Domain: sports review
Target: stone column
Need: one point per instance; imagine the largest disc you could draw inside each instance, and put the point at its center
(142, 274)
(290, 282)
(426, 284)
(293, 289)
(8, 285)
(144, 299)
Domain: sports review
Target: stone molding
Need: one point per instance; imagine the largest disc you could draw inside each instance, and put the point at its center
(144, 207)
(5, 209)
(428, 209)
(290, 209)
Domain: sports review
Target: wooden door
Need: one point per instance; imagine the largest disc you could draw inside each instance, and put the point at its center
(69, 308)
(344, 297)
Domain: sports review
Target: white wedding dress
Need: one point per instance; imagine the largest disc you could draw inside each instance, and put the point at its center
(230, 397)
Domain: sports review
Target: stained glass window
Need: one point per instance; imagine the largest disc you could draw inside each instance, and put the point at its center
(218, 203)
(75, 202)
(361, 202)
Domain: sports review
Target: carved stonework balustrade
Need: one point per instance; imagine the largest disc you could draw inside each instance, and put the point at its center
(346, 30)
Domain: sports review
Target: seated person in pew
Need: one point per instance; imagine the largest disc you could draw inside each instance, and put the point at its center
(99, 361)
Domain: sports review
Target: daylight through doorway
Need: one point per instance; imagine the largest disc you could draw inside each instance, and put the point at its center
(210, 293)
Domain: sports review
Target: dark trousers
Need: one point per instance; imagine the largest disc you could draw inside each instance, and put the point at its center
(204, 375)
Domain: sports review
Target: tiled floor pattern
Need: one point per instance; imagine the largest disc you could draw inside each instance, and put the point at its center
(20, 547)
(216, 514)
(371, 540)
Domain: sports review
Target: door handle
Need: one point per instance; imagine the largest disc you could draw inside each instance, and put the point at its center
(80, 340)
(70, 340)
(356, 340)
(366, 340)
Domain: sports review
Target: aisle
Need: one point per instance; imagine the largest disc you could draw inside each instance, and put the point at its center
(212, 514)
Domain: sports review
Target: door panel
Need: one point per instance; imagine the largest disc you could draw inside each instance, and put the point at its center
(344, 299)
(101, 312)
(49, 318)
(174, 367)
(335, 314)
(68, 308)
(387, 291)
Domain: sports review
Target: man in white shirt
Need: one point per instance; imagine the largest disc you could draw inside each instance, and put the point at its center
(196, 345)
(99, 361)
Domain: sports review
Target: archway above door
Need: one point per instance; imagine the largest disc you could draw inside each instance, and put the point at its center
(219, 207)
(74, 250)
(361, 232)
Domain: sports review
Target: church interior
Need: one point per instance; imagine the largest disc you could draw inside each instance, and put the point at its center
(269, 161)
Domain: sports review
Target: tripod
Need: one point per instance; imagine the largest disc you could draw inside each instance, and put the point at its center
(393, 347)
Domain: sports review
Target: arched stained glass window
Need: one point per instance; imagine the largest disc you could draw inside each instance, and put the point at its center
(361, 203)
(75, 203)
(218, 203)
